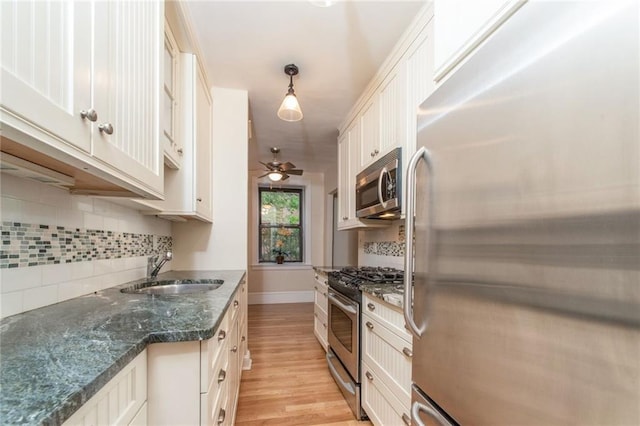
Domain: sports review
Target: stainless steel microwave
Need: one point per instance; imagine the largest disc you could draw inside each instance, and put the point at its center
(378, 188)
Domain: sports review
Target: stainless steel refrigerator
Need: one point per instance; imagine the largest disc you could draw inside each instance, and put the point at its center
(525, 197)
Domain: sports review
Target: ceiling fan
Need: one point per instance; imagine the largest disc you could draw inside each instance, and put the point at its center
(276, 170)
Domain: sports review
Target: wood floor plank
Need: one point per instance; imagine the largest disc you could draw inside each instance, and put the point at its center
(289, 383)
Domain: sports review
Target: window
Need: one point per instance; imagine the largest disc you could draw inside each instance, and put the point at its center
(280, 223)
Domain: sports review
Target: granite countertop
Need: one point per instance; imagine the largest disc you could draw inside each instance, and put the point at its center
(53, 359)
(325, 269)
(390, 293)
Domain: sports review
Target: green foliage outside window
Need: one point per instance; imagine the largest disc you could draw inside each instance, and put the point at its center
(280, 224)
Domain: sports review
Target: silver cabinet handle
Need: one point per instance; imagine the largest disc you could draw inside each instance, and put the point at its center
(221, 335)
(180, 151)
(106, 128)
(371, 306)
(372, 154)
(199, 199)
(421, 154)
(407, 352)
(369, 376)
(243, 338)
(221, 415)
(376, 152)
(369, 325)
(406, 419)
(234, 349)
(222, 375)
(235, 303)
(89, 114)
(344, 218)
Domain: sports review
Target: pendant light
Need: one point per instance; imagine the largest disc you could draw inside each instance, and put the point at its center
(290, 108)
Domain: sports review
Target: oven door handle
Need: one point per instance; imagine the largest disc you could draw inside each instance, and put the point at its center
(346, 308)
(345, 385)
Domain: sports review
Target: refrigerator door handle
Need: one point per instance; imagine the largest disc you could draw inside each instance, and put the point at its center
(417, 407)
(421, 154)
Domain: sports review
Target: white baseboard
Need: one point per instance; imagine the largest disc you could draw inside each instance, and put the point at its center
(280, 297)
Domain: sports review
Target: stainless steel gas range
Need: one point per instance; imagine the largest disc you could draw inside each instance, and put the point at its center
(345, 298)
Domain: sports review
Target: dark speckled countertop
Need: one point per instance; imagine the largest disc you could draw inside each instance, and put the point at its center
(53, 359)
(390, 293)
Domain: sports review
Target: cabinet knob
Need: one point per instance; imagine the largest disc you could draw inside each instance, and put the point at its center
(376, 152)
(369, 325)
(324, 324)
(199, 199)
(221, 415)
(369, 376)
(221, 335)
(89, 114)
(222, 375)
(372, 154)
(371, 306)
(180, 151)
(234, 349)
(235, 303)
(106, 128)
(243, 338)
(315, 286)
(406, 419)
(344, 218)
(407, 352)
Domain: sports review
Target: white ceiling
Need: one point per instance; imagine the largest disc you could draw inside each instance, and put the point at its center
(246, 45)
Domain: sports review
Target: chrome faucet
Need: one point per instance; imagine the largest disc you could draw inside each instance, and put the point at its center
(154, 265)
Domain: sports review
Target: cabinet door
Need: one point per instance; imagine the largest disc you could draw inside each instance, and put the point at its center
(172, 144)
(370, 119)
(46, 67)
(128, 86)
(343, 180)
(392, 110)
(203, 160)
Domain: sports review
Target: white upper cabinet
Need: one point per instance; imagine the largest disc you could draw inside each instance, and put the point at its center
(81, 84)
(392, 110)
(46, 68)
(370, 143)
(462, 25)
(188, 191)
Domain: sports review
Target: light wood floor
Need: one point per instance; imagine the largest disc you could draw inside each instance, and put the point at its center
(289, 383)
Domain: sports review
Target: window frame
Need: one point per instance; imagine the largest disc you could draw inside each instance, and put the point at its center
(301, 226)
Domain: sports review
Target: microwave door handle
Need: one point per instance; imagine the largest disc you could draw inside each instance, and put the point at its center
(383, 172)
(421, 154)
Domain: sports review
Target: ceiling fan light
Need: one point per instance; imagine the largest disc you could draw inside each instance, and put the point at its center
(290, 108)
(275, 176)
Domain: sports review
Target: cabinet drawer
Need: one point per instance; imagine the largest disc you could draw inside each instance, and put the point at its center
(387, 314)
(380, 403)
(210, 351)
(212, 407)
(320, 295)
(320, 327)
(389, 356)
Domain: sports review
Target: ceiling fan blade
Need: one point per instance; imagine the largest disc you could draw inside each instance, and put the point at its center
(266, 174)
(284, 176)
(296, 172)
(287, 166)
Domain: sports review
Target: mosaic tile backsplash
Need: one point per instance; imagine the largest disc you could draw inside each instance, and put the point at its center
(25, 245)
(387, 248)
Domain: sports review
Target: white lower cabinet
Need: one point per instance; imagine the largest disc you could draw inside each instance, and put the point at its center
(386, 363)
(320, 296)
(197, 383)
(122, 401)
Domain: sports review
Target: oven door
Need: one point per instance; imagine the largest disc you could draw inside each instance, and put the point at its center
(344, 332)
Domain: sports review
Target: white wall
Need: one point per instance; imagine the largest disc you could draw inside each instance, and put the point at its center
(31, 287)
(271, 283)
(222, 245)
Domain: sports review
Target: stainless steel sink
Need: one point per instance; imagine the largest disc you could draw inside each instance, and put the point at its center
(168, 287)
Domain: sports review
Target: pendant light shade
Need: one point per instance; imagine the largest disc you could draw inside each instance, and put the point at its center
(290, 108)
(275, 176)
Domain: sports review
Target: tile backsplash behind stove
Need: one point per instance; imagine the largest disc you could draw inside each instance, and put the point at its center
(382, 247)
(56, 246)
